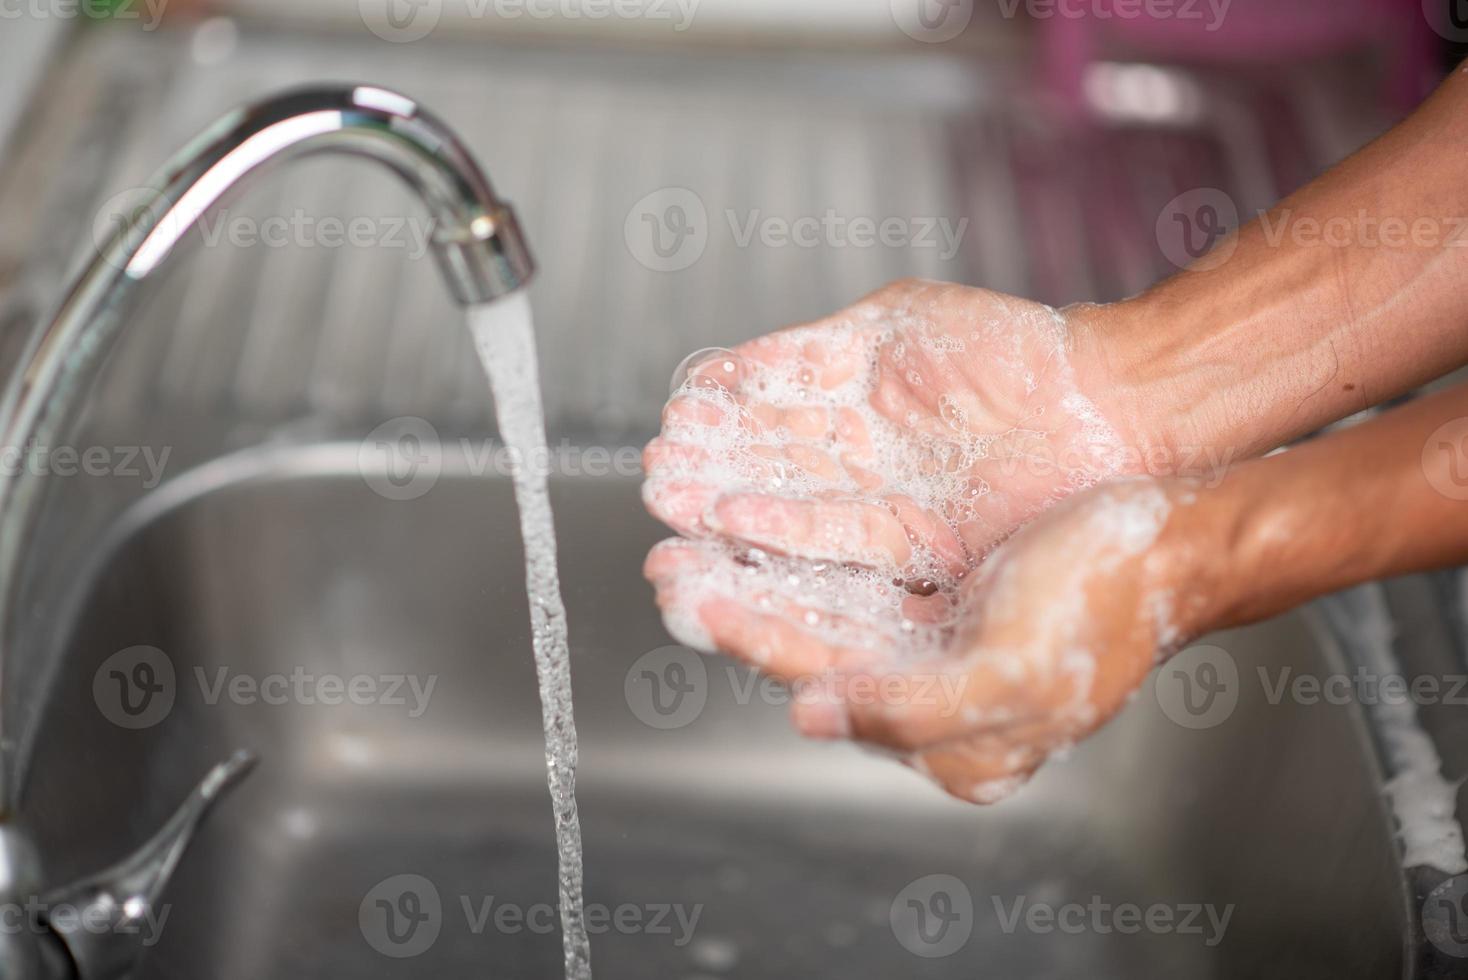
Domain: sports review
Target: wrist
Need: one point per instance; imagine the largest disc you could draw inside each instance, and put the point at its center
(1259, 541)
(1132, 363)
(1197, 560)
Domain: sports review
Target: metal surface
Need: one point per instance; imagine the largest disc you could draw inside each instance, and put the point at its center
(479, 244)
(288, 563)
(282, 561)
(483, 257)
(340, 337)
(102, 919)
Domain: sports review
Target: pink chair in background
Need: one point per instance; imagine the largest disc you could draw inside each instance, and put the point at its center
(1253, 32)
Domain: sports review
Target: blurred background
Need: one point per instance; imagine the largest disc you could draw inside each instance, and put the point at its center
(691, 172)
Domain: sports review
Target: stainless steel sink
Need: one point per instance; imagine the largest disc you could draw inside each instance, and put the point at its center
(791, 854)
(280, 561)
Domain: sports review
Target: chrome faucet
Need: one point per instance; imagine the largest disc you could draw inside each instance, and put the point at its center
(483, 256)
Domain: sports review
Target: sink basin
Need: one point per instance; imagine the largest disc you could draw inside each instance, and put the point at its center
(718, 843)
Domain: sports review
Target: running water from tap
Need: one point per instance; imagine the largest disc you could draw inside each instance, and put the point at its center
(506, 344)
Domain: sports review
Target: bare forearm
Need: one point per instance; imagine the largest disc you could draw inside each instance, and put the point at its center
(1347, 294)
(1383, 498)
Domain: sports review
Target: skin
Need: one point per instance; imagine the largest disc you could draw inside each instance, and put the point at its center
(1124, 509)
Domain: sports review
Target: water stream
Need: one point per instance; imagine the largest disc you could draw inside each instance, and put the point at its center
(504, 337)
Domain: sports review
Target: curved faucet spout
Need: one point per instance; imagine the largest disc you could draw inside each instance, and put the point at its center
(475, 236)
(476, 240)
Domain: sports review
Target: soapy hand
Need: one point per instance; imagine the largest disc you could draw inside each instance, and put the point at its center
(927, 410)
(1046, 640)
(838, 485)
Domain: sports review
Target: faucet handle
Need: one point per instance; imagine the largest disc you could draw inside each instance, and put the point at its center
(122, 897)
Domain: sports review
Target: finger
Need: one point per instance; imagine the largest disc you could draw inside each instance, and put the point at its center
(819, 713)
(815, 463)
(832, 607)
(939, 702)
(685, 410)
(893, 398)
(671, 557)
(853, 531)
(980, 771)
(772, 643)
(663, 455)
(772, 350)
(853, 436)
(929, 609)
(835, 360)
(683, 505)
(806, 422)
(923, 527)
